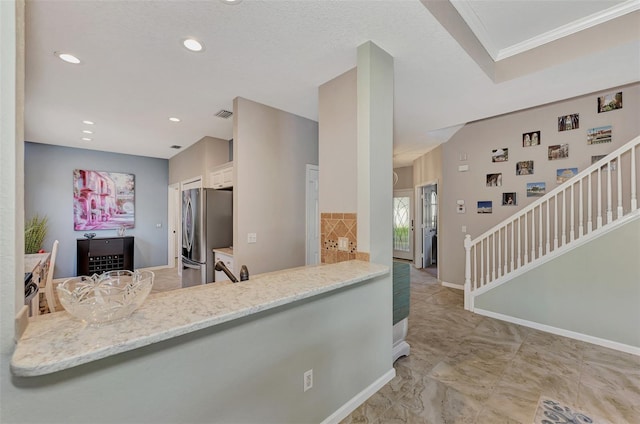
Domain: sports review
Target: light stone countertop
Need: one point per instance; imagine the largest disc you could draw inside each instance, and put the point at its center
(58, 341)
(224, 250)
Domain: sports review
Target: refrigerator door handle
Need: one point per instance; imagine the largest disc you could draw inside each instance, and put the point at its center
(189, 264)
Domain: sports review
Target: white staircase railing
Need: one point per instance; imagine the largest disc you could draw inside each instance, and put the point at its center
(602, 194)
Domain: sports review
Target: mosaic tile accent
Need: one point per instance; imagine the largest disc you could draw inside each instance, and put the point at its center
(553, 412)
(332, 227)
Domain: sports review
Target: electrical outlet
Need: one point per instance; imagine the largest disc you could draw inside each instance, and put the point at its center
(252, 238)
(343, 244)
(308, 380)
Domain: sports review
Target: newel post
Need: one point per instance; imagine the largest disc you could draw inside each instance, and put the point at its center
(467, 273)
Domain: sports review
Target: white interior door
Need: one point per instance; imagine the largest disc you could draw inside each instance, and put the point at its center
(313, 216)
(403, 224)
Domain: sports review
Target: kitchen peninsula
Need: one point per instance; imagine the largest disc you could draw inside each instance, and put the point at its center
(58, 341)
(218, 353)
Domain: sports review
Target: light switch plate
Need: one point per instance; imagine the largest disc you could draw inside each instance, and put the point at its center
(343, 244)
(252, 238)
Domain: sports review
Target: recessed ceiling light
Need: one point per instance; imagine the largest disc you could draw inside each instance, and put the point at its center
(173, 119)
(193, 45)
(88, 122)
(69, 58)
(87, 132)
(230, 1)
(86, 139)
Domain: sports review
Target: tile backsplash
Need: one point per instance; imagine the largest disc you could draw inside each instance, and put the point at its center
(333, 226)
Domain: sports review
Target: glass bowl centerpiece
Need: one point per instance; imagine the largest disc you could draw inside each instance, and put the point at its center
(106, 297)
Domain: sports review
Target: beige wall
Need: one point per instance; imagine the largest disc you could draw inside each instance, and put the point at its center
(476, 140)
(405, 177)
(198, 160)
(338, 131)
(428, 167)
(271, 149)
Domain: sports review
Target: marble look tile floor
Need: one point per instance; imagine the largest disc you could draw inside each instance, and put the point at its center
(466, 368)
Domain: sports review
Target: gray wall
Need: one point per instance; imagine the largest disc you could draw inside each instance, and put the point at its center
(592, 290)
(48, 186)
(247, 371)
(198, 160)
(477, 139)
(271, 150)
(338, 132)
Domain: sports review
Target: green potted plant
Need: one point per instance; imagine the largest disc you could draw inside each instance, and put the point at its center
(35, 230)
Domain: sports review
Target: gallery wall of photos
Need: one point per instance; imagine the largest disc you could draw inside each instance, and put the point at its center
(556, 150)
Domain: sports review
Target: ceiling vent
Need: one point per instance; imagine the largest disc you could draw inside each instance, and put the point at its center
(224, 114)
(175, 146)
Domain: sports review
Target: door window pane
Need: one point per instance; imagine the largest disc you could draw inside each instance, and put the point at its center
(401, 223)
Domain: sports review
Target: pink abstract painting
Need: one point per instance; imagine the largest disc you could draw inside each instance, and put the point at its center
(103, 200)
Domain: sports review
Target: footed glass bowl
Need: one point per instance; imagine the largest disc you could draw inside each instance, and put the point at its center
(107, 297)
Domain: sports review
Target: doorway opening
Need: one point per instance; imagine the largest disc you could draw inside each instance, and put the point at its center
(427, 243)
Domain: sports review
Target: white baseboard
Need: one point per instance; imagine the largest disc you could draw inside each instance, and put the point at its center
(562, 332)
(401, 348)
(359, 399)
(452, 285)
(152, 268)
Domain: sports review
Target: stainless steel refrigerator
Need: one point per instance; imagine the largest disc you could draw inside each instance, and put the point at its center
(207, 223)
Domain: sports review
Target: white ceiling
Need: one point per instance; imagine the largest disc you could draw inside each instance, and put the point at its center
(135, 73)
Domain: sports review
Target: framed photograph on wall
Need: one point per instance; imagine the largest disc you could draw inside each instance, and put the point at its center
(559, 151)
(564, 174)
(524, 168)
(509, 199)
(485, 206)
(569, 122)
(500, 155)
(103, 200)
(599, 135)
(596, 158)
(609, 102)
(531, 139)
(536, 189)
(494, 180)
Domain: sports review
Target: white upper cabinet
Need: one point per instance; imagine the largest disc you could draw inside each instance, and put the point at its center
(222, 176)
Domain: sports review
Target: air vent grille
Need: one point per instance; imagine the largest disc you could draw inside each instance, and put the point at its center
(175, 146)
(224, 114)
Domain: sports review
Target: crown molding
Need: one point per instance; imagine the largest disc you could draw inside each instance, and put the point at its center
(569, 29)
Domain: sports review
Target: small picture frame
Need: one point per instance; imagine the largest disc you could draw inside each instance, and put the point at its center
(558, 151)
(531, 139)
(494, 180)
(509, 199)
(613, 163)
(569, 122)
(609, 102)
(524, 167)
(536, 189)
(500, 155)
(599, 135)
(485, 206)
(565, 174)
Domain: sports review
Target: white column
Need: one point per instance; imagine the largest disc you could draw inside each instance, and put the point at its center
(375, 152)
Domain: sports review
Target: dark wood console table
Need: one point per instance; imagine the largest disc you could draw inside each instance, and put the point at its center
(98, 255)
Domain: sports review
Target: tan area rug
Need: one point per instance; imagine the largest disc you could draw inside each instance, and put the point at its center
(551, 411)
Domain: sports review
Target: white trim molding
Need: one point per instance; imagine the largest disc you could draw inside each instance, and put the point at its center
(351, 405)
(634, 350)
(452, 285)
